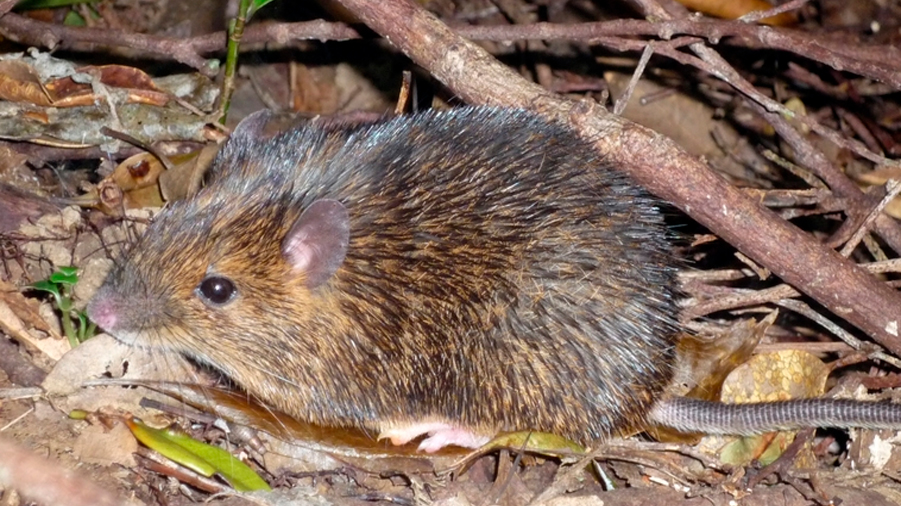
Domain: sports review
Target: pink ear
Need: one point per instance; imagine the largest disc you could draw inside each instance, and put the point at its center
(317, 243)
(251, 127)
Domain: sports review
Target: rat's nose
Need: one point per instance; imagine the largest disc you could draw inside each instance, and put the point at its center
(102, 311)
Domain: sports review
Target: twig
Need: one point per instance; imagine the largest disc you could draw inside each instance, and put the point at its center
(623, 100)
(802, 308)
(11, 394)
(804, 150)
(124, 137)
(785, 461)
(17, 419)
(7, 5)
(743, 298)
(860, 129)
(756, 16)
(800, 172)
(157, 463)
(813, 158)
(775, 113)
(892, 187)
(28, 31)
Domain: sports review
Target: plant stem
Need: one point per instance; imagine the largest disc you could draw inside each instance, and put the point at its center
(68, 328)
(235, 32)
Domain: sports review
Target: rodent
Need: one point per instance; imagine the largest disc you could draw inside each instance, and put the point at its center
(454, 274)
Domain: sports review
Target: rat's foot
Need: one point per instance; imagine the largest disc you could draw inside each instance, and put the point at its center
(440, 434)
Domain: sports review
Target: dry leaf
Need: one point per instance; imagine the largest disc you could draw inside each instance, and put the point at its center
(777, 376)
(684, 119)
(19, 82)
(19, 316)
(734, 9)
(66, 92)
(186, 174)
(313, 89)
(879, 177)
(106, 447)
(702, 366)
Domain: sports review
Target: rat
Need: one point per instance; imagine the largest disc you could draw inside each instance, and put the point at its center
(447, 275)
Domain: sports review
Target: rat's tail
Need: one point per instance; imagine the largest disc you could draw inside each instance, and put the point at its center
(707, 417)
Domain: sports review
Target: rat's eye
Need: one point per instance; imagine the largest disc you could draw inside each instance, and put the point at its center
(216, 290)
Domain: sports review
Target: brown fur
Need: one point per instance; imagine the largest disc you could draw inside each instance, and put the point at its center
(499, 277)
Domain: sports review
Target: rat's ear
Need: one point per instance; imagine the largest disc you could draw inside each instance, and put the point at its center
(317, 242)
(266, 124)
(252, 126)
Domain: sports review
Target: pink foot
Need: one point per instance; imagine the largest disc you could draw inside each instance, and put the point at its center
(439, 435)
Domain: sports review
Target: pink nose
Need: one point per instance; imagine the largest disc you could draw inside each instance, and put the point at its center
(101, 311)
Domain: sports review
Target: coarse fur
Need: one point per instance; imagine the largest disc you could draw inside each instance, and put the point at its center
(499, 276)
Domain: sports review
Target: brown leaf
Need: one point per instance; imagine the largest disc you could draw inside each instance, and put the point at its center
(19, 316)
(777, 376)
(105, 447)
(703, 365)
(186, 174)
(734, 9)
(20, 83)
(66, 92)
(313, 89)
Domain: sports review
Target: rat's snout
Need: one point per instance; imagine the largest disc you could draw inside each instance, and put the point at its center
(102, 310)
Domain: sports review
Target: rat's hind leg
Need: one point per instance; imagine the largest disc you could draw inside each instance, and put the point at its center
(440, 434)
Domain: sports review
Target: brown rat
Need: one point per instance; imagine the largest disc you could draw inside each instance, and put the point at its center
(449, 273)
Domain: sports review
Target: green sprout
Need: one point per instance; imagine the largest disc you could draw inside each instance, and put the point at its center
(60, 284)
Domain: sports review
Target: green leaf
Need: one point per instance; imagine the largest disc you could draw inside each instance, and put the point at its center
(765, 448)
(74, 19)
(78, 414)
(200, 457)
(47, 286)
(257, 5)
(51, 288)
(25, 5)
(156, 439)
(65, 276)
